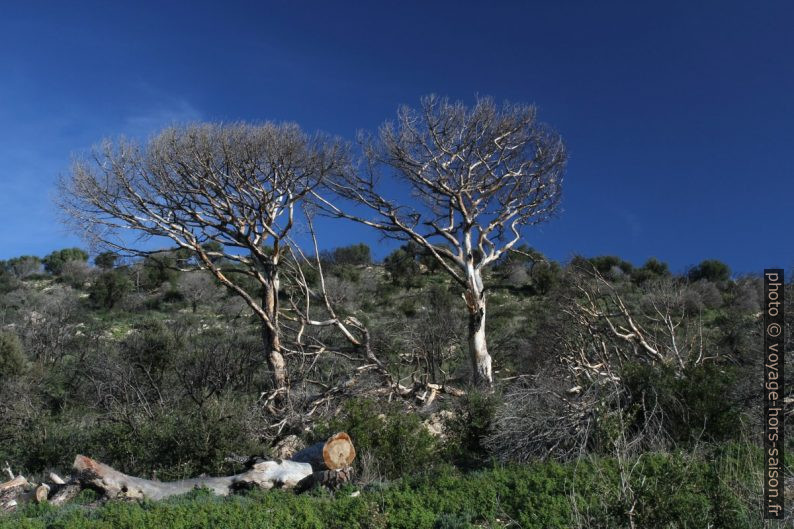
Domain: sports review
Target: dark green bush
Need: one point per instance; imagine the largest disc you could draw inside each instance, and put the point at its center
(173, 296)
(152, 345)
(354, 255)
(652, 269)
(694, 405)
(8, 281)
(346, 273)
(606, 263)
(12, 358)
(106, 260)
(468, 428)
(24, 266)
(710, 270)
(545, 276)
(403, 267)
(54, 262)
(168, 442)
(109, 288)
(158, 269)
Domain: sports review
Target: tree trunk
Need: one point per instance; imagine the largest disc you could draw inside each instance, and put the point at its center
(270, 333)
(117, 485)
(478, 349)
(325, 463)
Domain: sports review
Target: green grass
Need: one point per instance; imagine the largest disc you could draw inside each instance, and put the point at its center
(671, 491)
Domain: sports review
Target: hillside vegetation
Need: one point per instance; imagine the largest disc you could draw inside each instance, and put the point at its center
(161, 374)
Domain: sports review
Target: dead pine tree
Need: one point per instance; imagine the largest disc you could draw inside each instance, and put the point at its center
(226, 195)
(478, 175)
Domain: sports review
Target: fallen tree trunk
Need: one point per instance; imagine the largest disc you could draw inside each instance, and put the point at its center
(325, 464)
(336, 453)
(117, 485)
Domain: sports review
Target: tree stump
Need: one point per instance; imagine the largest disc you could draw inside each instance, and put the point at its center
(335, 453)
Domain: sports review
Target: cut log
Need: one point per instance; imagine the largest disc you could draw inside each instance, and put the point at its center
(11, 491)
(17, 482)
(64, 493)
(41, 493)
(56, 479)
(337, 452)
(117, 485)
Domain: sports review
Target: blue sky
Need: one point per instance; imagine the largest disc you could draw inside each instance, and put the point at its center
(678, 116)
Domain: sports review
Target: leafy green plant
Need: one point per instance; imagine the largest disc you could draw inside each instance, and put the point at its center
(54, 262)
(109, 288)
(12, 357)
(468, 427)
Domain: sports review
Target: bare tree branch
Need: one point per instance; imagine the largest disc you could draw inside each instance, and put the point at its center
(479, 175)
(235, 186)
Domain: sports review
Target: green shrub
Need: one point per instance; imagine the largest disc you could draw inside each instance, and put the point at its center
(12, 358)
(159, 268)
(347, 273)
(403, 267)
(24, 266)
(8, 281)
(694, 405)
(109, 288)
(54, 262)
(710, 270)
(545, 276)
(354, 255)
(173, 295)
(651, 270)
(170, 442)
(605, 264)
(468, 428)
(152, 346)
(106, 260)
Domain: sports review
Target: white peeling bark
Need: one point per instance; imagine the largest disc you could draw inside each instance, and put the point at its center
(478, 348)
(270, 334)
(117, 485)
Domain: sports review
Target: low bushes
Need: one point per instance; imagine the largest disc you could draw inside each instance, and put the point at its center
(671, 490)
(699, 405)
